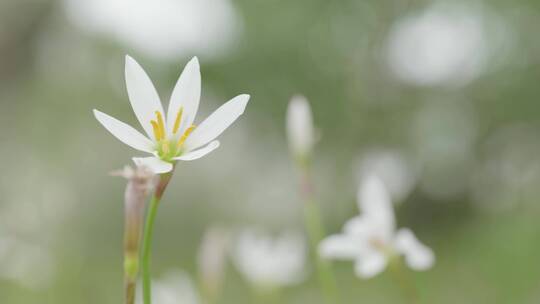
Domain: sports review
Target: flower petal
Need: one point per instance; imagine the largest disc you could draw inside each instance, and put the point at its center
(186, 95)
(217, 122)
(155, 164)
(196, 154)
(341, 246)
(360, 226)
(142, 95)
(370, 264)
(417, 255)
(374, 203)
(124, 132)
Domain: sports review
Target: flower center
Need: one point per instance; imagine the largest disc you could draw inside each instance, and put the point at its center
(169, 147)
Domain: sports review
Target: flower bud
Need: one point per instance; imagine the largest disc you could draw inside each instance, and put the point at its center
(300, 127)
(140, 182)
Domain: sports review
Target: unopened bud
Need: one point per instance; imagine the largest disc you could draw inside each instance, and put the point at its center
(300, 127)
(140, 182)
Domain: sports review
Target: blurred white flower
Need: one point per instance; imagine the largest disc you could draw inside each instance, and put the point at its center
(371, 239)
(443, 45)
(173, 288)
(268, 261)
(173, 137)
(300, 126)
(163, 29)
(28, 264)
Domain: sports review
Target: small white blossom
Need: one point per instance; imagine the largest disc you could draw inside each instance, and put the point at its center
(173, 288)
(173, 137)
(269, 262)
(300, 126)
(163, 29)
(371, 239)
(26, 263)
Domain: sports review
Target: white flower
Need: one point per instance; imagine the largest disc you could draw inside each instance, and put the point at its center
(300, 126)
(173, 288)
(445, 44)
(270, 262)
(162, 29)
(26, 263)
(173, 137)
(371, 239)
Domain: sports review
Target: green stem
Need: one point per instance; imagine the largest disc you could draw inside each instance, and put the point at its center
(130, 291)
(325, 273)
(316, 233)
(406, 284)
(147, 237)
(267, 294)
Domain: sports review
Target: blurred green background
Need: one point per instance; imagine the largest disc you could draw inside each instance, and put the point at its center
(441, 98)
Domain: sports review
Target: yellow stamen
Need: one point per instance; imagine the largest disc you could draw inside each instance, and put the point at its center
(155, 127)
(178, 120)
(185, 135)
(161, 124)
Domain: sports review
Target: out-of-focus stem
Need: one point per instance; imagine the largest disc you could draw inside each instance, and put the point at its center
(405, 283)
(211, 260)
(148, 233)
(315, 229)
(267, 294)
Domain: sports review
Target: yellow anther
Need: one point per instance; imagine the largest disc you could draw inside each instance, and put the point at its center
(155, 127)
(161, 124)
(185, 135)
(178, 120)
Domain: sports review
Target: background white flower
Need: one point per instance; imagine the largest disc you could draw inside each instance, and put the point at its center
(268, 261)
(173, 137)
(371, 238)
(162, 29)
(445, 44)
(173, 288)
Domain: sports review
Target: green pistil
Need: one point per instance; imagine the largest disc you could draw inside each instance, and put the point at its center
(171, 150)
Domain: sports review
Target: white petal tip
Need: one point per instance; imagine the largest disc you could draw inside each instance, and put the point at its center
(243, 100)
(299, 99)
(194, 60)
(131, 62)
(98, 114)
(246, 96)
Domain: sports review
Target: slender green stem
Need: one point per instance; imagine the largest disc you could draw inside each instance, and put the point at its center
(147, 249)
(325, 273)
(147, 237)
(267, 294)
(130, 292)
(316, 232)
(404, 281)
